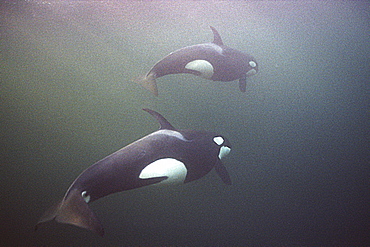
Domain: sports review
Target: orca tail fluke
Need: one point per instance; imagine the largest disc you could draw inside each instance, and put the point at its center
(149, 83)
(73, 210)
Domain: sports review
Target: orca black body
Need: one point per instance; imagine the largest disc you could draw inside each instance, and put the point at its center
(214, 61)
(164, 156)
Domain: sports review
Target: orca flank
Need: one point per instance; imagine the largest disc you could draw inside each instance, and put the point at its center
(213, 61)
(164, 157)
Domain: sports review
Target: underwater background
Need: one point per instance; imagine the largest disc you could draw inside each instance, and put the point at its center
(300, 134)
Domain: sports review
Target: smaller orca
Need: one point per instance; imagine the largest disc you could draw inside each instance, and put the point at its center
(214, 61)
(166, 156)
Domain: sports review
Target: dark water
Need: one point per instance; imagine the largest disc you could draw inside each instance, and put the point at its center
(300, 134)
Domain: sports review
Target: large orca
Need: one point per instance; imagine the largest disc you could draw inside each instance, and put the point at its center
(214, 61)
(165, 156)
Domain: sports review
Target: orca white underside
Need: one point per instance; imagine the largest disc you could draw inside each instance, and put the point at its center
(224, 150)
(174, 169)
(204, 67)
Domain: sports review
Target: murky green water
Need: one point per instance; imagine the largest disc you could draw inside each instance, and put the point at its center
(300, 158)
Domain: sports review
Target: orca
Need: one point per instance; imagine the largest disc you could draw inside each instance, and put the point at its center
(214, 61)
(166, 156)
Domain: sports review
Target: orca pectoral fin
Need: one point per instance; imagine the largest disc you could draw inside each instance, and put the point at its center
(149, 83)
(222, 173)
(154, 180)
(193, 72)
(243, 84)
(73, 210)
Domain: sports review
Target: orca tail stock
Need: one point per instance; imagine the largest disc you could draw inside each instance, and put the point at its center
(73, 210)
(149, 83)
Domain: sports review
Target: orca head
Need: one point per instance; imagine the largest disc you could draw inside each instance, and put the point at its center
(224, 146)
(252, 67)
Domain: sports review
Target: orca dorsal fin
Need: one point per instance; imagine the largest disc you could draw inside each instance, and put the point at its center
(162, 121)
(216, 37)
